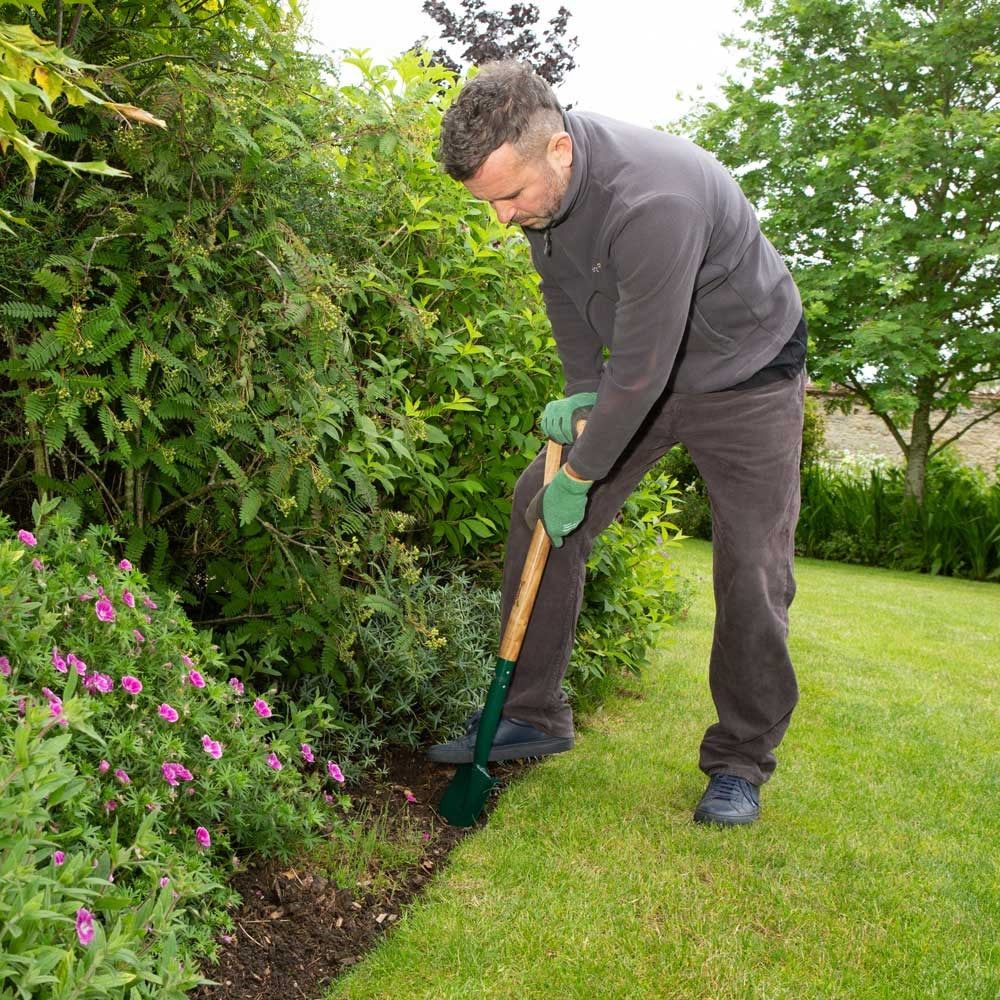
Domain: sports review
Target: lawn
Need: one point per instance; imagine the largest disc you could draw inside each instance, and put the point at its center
(872, 873)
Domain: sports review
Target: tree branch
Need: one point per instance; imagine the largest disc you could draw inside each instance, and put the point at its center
(180, 501)
(972, 423)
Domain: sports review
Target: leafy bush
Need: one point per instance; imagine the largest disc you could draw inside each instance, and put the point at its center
(81, 915)
(856, 512)
(425, 654)
(134, 751)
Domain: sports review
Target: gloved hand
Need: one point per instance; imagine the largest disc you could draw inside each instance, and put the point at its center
(560, 416)
(562, 503)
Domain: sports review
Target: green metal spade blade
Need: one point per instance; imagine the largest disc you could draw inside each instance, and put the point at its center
(465, 797)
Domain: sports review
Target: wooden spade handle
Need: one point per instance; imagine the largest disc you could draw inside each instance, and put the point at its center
(531, 575)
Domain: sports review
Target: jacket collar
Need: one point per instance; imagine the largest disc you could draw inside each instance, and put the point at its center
(579, 173)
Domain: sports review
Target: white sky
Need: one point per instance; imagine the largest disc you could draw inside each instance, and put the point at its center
(634, 58)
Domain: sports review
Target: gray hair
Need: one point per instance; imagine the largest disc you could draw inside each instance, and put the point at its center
(506, 102)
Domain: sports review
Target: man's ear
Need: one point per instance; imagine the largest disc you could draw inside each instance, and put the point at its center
(560, 150)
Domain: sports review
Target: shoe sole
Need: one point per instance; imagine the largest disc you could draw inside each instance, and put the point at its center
(700, 817)
(515, 751)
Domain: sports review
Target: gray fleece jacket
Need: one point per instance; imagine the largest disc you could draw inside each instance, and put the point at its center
(654, 271)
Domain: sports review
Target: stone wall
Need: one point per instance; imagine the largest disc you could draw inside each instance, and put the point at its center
(862, 433)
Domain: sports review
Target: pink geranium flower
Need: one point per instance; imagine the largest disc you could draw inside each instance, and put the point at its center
(335, 771)
(131, 684)
(307, 753)
(104, 766)
(196, 679)
(168, 713)
(59, 857)
(57, 661)
(203, 837)
(28, 538)
(211, 747)
(148, 602)
(262, 708)
(5, 667)
(139, 637)
(236, 685)
(37, 564)
(128, 599)
(84, 926)
(273, 762)
(104, 610)
(173, 773)
(125, 565)
(122, 776)
(186, 660)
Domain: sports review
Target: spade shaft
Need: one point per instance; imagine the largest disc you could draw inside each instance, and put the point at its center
(466, 794)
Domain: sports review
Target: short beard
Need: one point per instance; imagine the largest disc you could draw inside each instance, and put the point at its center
(555, 191)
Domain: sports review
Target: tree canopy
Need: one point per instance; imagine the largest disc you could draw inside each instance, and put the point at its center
(485, 35)
(868, 136)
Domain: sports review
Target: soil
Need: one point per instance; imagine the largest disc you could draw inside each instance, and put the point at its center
(296, 930)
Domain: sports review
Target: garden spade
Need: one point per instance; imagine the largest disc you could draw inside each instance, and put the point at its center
(466, 794)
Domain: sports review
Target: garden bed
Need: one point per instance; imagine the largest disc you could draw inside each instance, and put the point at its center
(297, 930)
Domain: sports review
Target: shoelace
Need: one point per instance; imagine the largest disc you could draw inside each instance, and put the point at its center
(726, 785)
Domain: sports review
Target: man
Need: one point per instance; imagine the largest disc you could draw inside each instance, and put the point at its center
(675, 321)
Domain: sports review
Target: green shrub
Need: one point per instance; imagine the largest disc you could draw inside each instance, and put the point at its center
(84, 912)
(137, 734)
(855, 511)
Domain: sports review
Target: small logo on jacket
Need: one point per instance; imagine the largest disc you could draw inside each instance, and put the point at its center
(596, 268)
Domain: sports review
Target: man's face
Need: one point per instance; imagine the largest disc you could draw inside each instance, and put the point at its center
(524, 192)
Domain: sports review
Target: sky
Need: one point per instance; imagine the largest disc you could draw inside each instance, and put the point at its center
(634, 59)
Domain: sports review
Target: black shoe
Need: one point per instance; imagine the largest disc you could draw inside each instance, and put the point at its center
(513, 739)
(728, 800)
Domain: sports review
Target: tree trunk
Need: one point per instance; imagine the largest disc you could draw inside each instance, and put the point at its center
(916, 456)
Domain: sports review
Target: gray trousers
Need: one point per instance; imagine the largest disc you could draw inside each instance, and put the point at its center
(746, 444)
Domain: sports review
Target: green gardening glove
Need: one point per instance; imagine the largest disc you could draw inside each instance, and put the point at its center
(563, 503)
(560, 416)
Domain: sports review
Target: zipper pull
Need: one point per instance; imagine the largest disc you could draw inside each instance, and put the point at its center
(548, 242)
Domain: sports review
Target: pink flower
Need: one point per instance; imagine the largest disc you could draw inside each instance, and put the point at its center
(203, 837)
(328, 797)
(211, 747)
(335, 772)
(148, 602)
(172, 772)
(168, 713)
(261, 708)
(110, 806)
(84, 926)
(186, 660)
(131, 684)
(307, 753)
(272, 761)
(105, 684)
(236, 685)
(139, 637)
(57, 661)
(196, 679)
(4, 667)
(410, 797)
(104, 766)
(122, 776)
(28, 538)
(104, 610)
(128, 599)
(59, 857)
(164, 882)
(37, 564)
(125, 565)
